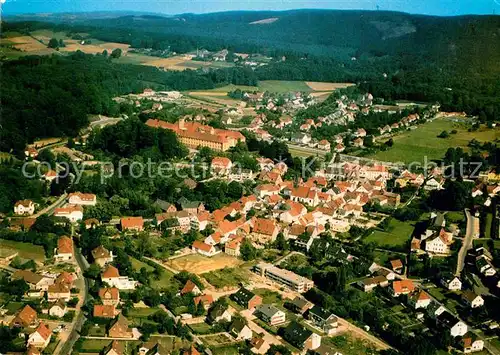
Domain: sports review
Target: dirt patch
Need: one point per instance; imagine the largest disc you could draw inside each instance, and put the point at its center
(199, 264)
(27, 44)
(319, 86)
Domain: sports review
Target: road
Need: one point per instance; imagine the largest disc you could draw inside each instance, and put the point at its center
(467, 241)
(66, 347)
(50, 209)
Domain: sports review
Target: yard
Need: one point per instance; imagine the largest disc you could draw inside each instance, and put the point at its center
(227, 277)
(347, 345)
(396, 235)
(413, 146)
(25, 250)
(201, 328)
(199, 264)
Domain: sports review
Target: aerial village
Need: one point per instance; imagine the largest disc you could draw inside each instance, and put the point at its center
(260, 272)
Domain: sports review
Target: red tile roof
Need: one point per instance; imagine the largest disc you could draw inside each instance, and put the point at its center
(110, 272)
(65, 245)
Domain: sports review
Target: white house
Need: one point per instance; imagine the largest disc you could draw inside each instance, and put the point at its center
(112, 277)
(472, 299)
(270, 314)
(240, 331)
(420, 299)
(437, 245)
(40, 338)
(78, 198)
(64, 250)
(58, 309)
(24, 207)
(471, 343)
(301, 138)
(204, 248)
(452, 283)
(434, 184)
(456, 327)
(71, 212)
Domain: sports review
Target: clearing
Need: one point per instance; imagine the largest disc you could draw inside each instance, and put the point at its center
(227, 277)
(396, 236)
(199, 264)
(414, 146)
(26, 250)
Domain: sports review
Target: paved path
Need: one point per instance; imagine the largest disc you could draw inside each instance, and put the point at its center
(50, 209)
(466, 242)
(172, 270)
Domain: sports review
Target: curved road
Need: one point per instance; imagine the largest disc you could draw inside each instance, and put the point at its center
(467, 241)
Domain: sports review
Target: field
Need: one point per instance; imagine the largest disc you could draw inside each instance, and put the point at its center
(414, 146)
(318, 86)
(227, 277)
(25, 250)
(397, 234)
(199, 264)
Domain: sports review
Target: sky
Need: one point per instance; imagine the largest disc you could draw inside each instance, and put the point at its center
(427, 7)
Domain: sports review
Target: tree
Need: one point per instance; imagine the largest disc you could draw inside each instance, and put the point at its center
(248, 251)
(281, 243)
(116, 53)
(53, 43)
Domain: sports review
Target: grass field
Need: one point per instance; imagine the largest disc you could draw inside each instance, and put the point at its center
(199, 264)
(227, 277)
(397, 234)
(201, 328)
(25, 250)
(413, 146)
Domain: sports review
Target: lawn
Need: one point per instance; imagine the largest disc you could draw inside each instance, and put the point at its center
(25, 250)
(201, 328)
(415, 145)
(396, 236)
(227, 277)
(348, 345)
(268, 297)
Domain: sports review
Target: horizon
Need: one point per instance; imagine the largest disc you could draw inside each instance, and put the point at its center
(444, 8)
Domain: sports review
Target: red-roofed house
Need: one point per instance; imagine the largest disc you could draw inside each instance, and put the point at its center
(132, 224)
(264, 231)
(206, 300)
(78, 198)
(71, 212)
(40, 338)
(64, 250)
(204, 248)
(221, 165)
(324, 145)
(420, 299)
(105, 311)
(191, 287)
(110, 296)
(402, 287)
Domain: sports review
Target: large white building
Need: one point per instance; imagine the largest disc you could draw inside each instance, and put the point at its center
(284, 277)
